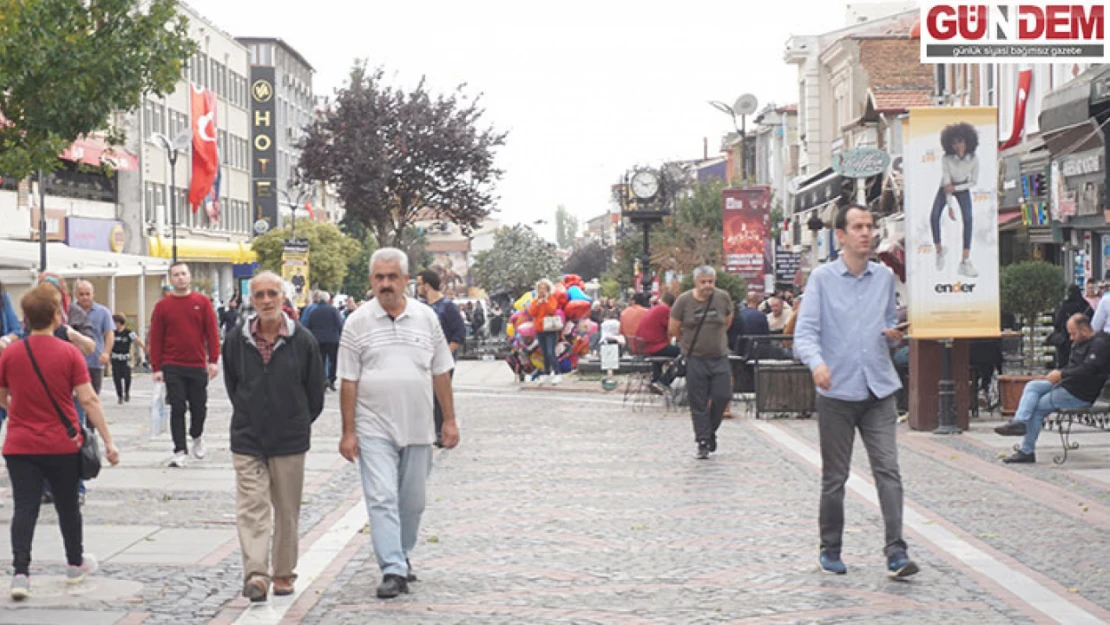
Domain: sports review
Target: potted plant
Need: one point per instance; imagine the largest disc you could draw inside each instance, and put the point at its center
(1028, 290)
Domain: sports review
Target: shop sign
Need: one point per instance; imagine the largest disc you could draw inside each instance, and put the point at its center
(104, 235)
(860, 162)
(55, 224)
(264, 189)
(1082, 164)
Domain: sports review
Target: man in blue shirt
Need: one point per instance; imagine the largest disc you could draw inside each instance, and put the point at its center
(104, 332)
(844, 335)
(450, 319)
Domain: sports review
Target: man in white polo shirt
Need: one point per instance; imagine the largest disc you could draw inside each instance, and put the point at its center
(391, 356)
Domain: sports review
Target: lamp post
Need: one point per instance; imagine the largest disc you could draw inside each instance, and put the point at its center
(302, 194)
(179, 144)
(743, 106)
(42, 221)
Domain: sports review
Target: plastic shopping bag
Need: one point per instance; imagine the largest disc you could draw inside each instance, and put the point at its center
(159, 412)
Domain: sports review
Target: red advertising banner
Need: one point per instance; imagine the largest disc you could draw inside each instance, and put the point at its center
(746, 221)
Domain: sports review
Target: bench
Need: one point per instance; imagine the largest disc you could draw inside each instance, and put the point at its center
(781, 384)
(1096, 416)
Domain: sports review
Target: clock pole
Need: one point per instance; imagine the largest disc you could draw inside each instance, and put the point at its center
(645, 264)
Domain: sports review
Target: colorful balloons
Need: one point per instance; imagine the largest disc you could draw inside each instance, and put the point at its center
(574, 339)
(524, 301)
(575, 293)
(527, 330)
(560, 295)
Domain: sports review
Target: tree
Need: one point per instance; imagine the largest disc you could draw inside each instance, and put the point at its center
(357, 280)
(66, 65)
(736, 286)
(391, 154)
(589, 260)
(566, 228)
(329, 251)
(518, 259)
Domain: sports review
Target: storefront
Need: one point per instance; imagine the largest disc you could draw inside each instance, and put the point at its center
(211, 261)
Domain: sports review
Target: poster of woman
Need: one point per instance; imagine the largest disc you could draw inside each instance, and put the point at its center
(951, 205)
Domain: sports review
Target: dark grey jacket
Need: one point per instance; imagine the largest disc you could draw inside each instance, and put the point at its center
(273, 406)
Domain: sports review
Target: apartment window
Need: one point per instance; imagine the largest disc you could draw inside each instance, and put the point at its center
(149, 214)
(942, 76)
(989, 90)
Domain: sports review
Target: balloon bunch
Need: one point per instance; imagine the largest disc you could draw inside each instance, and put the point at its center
(526, 357)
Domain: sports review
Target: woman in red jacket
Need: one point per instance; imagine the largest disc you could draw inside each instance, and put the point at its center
(545, 306)
(37, 445)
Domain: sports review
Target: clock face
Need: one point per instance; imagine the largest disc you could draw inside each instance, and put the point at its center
(645, 185)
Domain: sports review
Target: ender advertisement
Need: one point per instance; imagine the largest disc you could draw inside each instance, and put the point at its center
(295, 271)
(951, 206)
(747, 233)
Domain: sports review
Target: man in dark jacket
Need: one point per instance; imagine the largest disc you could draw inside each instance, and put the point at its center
(452, 323)
(1076, 386)
(326, 324)
(275, 380)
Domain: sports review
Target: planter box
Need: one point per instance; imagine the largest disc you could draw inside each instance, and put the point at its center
(1010, 388)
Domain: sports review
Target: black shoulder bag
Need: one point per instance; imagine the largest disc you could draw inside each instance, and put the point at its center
(680, 360)
(89, 455)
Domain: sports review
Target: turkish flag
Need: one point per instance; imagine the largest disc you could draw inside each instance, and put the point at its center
(1025, 80)
(206, 160)
(308, 207)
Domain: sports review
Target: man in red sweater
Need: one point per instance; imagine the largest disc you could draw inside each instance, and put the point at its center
(183, 340)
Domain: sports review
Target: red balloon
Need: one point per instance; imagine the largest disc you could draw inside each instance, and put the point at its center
(560, 295)
(577, 309)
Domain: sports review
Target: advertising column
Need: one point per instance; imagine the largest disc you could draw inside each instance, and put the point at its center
(747, 233)
(295, 270)
(951, 169)
(264, 192)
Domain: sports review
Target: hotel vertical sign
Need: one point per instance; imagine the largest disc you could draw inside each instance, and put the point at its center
(264, 191)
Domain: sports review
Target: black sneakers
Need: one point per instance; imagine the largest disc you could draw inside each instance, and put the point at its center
(391, 586)
(703, 451)
(1013, 428)
(1020, 457)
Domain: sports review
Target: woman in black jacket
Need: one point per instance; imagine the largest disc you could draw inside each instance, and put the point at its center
(1072, 304)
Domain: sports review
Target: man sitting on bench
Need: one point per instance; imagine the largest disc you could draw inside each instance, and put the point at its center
(1077, 385)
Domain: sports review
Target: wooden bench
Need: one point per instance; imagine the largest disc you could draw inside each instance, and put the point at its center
(1096, 416)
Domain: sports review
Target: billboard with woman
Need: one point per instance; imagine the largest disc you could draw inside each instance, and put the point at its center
(951, 205)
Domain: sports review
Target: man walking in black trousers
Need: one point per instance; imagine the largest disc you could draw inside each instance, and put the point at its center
(326, 324)
(450, 320)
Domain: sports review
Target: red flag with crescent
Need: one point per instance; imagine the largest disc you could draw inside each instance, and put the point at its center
(1025, 80)
(205, 157)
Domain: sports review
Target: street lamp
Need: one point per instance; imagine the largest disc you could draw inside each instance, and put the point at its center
(743, 106)
(179, 144)
(302, 194)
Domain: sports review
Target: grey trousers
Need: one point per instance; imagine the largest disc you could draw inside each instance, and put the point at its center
(876, 420)
(708, 379)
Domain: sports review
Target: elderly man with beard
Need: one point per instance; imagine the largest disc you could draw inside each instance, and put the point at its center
(392, 356)
(275, 379)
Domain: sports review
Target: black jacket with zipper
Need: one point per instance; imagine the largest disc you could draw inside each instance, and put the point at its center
(273, 406)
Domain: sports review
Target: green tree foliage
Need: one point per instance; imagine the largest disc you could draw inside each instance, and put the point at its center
(736, 286)
(518, 259)
(589, 260)
(330, 252)
(391, 153)
(610, 288)
(66, 65)
(701, 208)
(566, 228)
(357, 280)
(1032, 288)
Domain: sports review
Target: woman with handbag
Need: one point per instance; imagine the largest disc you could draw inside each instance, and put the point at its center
(548, 326)
(38, 377)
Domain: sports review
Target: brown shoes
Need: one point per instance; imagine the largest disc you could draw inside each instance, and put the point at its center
(255, 589)
(283, 586)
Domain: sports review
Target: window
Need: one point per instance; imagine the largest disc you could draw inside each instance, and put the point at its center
(942, 82)
(989, 91)
(150, 214)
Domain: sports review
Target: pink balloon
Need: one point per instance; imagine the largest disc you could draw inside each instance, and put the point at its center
(519, 317)
(527, 330)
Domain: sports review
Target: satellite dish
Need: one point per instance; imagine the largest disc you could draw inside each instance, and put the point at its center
(745, 104)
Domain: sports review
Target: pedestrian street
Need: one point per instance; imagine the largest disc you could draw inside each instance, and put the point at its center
(561, 505)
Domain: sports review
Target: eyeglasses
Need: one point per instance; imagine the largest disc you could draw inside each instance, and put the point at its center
(261, 294)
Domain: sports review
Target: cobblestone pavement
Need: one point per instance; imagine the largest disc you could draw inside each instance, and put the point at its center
(566, 507)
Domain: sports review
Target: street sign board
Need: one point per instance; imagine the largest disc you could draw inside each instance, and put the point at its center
(860, 162)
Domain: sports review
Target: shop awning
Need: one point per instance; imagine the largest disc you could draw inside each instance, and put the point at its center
(73, 262)
(1078, 137)
(1070, 103)
(96, 152)
(203, 250)
(1009, 220)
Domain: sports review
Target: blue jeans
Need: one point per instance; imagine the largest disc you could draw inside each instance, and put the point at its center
(393, 484)
(963, 198)
(548, 340)
(1040, 399)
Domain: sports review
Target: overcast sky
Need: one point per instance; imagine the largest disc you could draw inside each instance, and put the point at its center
(585, 89)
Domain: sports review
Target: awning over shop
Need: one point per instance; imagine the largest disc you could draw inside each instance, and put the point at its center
(1078, 137)
(73, 262)
(828, 186)
(203, 250)
(96, 152)
(1009, 220)
(1070, 103)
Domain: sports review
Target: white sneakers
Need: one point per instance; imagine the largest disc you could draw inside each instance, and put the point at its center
(77, 574)
(199, 450)
(179, 459)
(556, 379)
(940, 260)
(967, 270)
